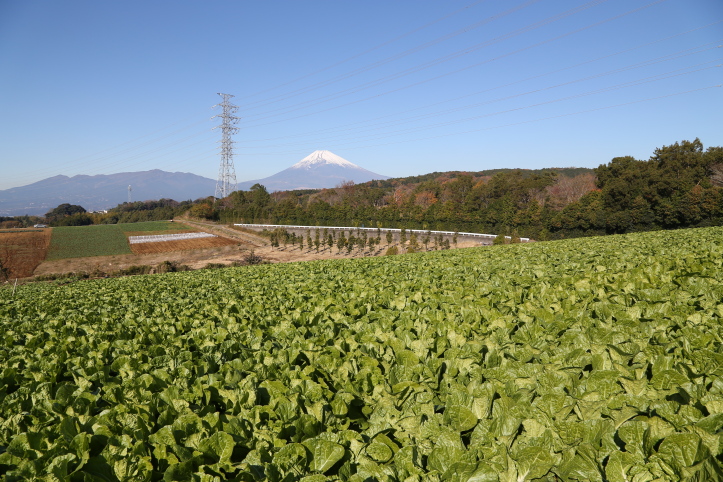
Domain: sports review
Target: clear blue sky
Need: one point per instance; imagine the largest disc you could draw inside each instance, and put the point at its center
(398, 87)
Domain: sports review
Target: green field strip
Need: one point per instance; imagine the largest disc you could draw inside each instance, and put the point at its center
(85, 241)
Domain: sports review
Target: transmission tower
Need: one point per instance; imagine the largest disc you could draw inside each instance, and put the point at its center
(226, 182)
(129, 193)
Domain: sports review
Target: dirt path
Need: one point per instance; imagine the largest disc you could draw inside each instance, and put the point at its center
(223, 230)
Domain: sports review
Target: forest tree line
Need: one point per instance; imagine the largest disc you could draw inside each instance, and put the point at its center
(680, 185)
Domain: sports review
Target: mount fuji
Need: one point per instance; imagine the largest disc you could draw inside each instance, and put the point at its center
(318, 170)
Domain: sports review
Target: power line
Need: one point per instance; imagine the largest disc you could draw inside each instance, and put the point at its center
(554, 116)
(512, 124)
(395, 57)
(435, 62)
(82, 161)
(377, 47)
(655, 78)
(391, 123)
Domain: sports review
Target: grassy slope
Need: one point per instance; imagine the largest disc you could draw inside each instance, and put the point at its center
(588, 359)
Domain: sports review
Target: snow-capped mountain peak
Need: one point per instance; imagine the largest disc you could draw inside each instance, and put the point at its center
(318, 158)
(318, 170)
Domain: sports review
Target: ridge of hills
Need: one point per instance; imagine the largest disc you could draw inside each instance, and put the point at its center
(320, 169)
(102, 191)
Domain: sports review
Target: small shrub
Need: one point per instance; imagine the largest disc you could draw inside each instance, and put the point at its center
(98, 273)
(170, 267)
(133, 270)
(4, 272)
(253, 258)
(413, 244)
(214, 266)
(392, 250)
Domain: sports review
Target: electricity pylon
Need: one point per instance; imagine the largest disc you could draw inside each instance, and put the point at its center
(226, 182)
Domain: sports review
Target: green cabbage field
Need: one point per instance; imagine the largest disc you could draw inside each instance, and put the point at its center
(596, 359)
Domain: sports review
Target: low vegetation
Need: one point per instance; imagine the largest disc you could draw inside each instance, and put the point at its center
(580, 360)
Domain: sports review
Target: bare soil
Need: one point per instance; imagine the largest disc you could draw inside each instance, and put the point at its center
(22, 252)
(181, 245)
(195, 259)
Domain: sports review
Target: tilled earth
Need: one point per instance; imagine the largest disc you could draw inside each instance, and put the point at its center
(181, 245)
(22, 252)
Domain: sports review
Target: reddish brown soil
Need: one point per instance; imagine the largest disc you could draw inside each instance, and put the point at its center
(181, 245)
(23, 252)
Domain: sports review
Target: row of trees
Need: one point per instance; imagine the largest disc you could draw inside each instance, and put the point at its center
(359, 240)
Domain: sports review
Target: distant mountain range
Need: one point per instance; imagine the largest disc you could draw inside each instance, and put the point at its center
(318, 170)
(321, 169)
(102, 191)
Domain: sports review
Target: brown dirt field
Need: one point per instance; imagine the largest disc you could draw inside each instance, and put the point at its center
(23, 252)
(181, 245)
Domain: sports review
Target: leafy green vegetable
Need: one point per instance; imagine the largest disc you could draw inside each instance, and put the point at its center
(590, 359)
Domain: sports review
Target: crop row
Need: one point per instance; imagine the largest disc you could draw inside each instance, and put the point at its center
(590, 359)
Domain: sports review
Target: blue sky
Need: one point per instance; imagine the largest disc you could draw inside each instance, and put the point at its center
(398, 87)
